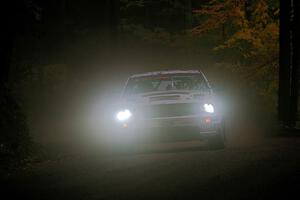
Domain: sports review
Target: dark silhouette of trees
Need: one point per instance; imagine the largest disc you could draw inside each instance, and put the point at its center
(289, 63)
(14, 137)
(58, 19)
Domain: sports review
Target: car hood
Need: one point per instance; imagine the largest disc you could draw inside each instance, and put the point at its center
(167, 97)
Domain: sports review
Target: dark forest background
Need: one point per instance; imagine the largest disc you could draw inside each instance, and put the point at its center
(63, 61)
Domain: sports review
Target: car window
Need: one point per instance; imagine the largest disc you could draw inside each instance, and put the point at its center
(165, 83)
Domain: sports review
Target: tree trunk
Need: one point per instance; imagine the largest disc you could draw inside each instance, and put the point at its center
(14, 135)
(289, 63)
(285, 64)
(7, 34)
(295, 63)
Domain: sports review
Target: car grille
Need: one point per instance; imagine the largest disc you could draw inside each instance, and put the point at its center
(169, 110)
(160, 98)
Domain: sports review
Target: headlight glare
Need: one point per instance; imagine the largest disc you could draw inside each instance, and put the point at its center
(124, 115)
(209, 108)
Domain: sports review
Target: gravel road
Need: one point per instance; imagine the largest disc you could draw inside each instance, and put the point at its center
(184, 170)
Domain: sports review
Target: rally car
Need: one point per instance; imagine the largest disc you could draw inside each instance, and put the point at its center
(176, 100)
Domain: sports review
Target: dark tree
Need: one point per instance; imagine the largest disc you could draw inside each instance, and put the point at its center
(289, 62)
(295, 79)
(14, 137)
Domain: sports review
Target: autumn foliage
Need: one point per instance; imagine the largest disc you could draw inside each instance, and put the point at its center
(251, 29)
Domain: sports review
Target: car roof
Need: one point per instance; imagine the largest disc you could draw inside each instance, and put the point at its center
(166, 72)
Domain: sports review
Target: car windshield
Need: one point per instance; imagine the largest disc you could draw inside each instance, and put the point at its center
(165, 83)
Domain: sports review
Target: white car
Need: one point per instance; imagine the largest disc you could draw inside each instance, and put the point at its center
(178, 100)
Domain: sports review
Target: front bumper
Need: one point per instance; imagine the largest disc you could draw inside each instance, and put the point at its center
(199, 125)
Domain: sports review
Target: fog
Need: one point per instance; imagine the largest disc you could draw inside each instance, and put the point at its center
(82, 114)
(68, 71)
(64, 65)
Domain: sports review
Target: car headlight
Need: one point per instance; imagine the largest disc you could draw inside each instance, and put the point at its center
(208, 108)
(124, 115)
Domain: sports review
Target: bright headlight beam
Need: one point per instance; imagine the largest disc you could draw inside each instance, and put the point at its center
(209, 108)
(124, 115)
